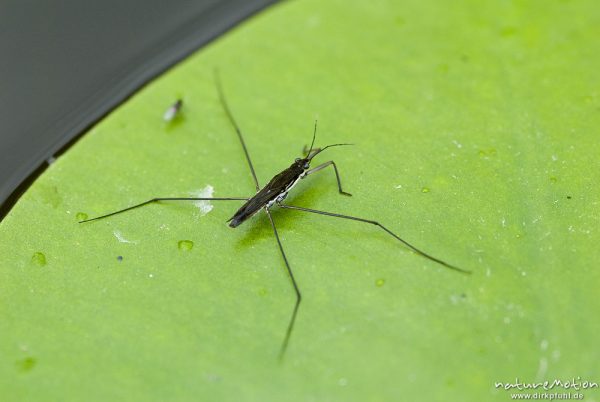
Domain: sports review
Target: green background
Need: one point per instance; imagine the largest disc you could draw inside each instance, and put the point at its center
(476, 127)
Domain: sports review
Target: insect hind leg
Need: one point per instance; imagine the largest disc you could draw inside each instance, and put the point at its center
(372, 222)
(164, 199)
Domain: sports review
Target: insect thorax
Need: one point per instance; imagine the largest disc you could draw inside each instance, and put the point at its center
(283, 195)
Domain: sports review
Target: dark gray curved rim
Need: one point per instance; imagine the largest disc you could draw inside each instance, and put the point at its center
(66, 64)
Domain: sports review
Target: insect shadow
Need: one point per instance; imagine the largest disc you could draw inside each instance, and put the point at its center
(273, 194)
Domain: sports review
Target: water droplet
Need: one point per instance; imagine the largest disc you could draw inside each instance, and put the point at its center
(185, 245)
(379, 282)
(487, 152)
(81, 216)
(25, 364)
(425, 190)
(120, 258)
(262, 292)
(553, 179)
(38, 259)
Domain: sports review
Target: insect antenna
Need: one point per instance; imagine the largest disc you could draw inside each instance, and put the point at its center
(313, 140)
(319, 150)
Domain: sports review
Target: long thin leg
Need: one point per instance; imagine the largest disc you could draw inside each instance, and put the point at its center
(234, 124)
(290, 327)
(164, 199)
(416, 250)
(337, 174)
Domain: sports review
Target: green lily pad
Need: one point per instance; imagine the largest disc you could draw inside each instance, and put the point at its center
(476, 132)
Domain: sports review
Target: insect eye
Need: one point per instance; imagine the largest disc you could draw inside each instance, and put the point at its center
(306, 165)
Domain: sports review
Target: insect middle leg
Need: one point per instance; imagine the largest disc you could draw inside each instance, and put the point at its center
(372, 222)
(337, 174)
(235, 126)
(290, 327)
(164, 199)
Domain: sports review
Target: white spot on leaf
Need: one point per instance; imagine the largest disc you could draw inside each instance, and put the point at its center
(203, 206)
(122, 239)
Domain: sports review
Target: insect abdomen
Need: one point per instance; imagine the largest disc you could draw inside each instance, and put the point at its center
(276, 190)
(235, 222)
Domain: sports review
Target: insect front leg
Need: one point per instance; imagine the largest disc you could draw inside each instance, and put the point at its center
(337, 174)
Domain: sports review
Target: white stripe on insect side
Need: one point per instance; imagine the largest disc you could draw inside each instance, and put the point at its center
(282, 196)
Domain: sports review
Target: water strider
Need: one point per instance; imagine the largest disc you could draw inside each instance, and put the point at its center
(274, 193)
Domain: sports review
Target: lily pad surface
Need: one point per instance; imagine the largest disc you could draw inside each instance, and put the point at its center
(476, 131)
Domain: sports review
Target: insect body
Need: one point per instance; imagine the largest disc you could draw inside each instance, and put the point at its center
(172, 111)
(275, 191)
(273, 194)
(278, 188)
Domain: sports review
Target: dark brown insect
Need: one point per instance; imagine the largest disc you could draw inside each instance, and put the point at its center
(274, 193)
(278, 188)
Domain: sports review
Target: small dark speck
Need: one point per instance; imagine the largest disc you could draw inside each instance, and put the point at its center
(568, 197)
(462, 295)
(120, 258)
(25, 364)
